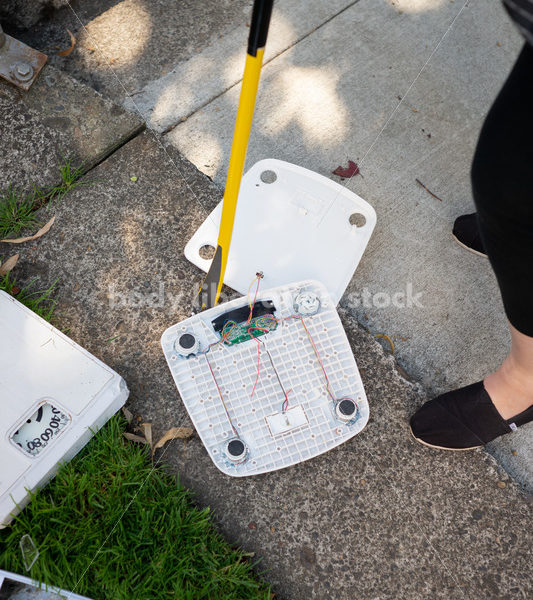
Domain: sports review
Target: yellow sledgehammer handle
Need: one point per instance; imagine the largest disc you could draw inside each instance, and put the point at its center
(212, 285)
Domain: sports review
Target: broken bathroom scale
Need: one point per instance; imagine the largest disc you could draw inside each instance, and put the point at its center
(53, 396)
(268, 383)
(291, 224)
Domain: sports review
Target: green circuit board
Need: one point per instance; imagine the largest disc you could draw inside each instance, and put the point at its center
(242, 332)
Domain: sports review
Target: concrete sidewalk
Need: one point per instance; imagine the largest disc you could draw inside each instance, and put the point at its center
(378, 517)
(401, 88)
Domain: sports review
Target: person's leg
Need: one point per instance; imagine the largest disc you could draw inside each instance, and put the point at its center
(502, 184)
(511, 387)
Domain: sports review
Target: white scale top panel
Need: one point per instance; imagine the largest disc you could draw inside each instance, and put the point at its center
(271, 437)
(53, 395)
(291, 224)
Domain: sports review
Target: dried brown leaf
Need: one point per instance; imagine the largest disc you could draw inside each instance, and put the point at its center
(45, 229)
(174, 433)
(8, 265)
(128, 415)
(135, 438)
(147, 430)
(72, 44)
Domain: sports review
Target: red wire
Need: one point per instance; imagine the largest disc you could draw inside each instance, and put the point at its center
(220, 394)
(253, 303)
(258, 363)
(258, 352)
(319, 360)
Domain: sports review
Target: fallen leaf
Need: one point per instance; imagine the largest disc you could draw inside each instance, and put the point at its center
(386, 337)
(147, 430)
(501, 484)
(72, 44)
(350, 171)
(128, 415)
(45, 229)
(15, 290)
(134, 179)
(252, 525)
(9, 264)
(174, 433)
(135, 438)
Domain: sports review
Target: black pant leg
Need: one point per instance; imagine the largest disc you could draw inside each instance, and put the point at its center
(502, 183)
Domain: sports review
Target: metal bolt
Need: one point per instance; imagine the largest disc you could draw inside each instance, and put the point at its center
(23, 71)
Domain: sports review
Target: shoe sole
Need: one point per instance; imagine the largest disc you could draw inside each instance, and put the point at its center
(469, 249)
(441, 447)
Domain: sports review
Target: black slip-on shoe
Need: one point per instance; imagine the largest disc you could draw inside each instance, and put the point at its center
(463, 419)
(466, 234)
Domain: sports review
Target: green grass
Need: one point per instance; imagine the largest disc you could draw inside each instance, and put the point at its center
(17, 210)
(111, 526)
(38, 300)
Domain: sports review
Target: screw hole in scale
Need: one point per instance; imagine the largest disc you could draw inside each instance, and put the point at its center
(207, 252)
(268, 176)
(357, 220)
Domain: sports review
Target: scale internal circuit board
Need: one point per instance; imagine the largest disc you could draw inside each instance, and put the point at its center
(268, 383)
(243, 332)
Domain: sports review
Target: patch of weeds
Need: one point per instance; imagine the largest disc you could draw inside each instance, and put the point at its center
(17, 210)
(40, 301)
(70, 178)
(110, 525)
